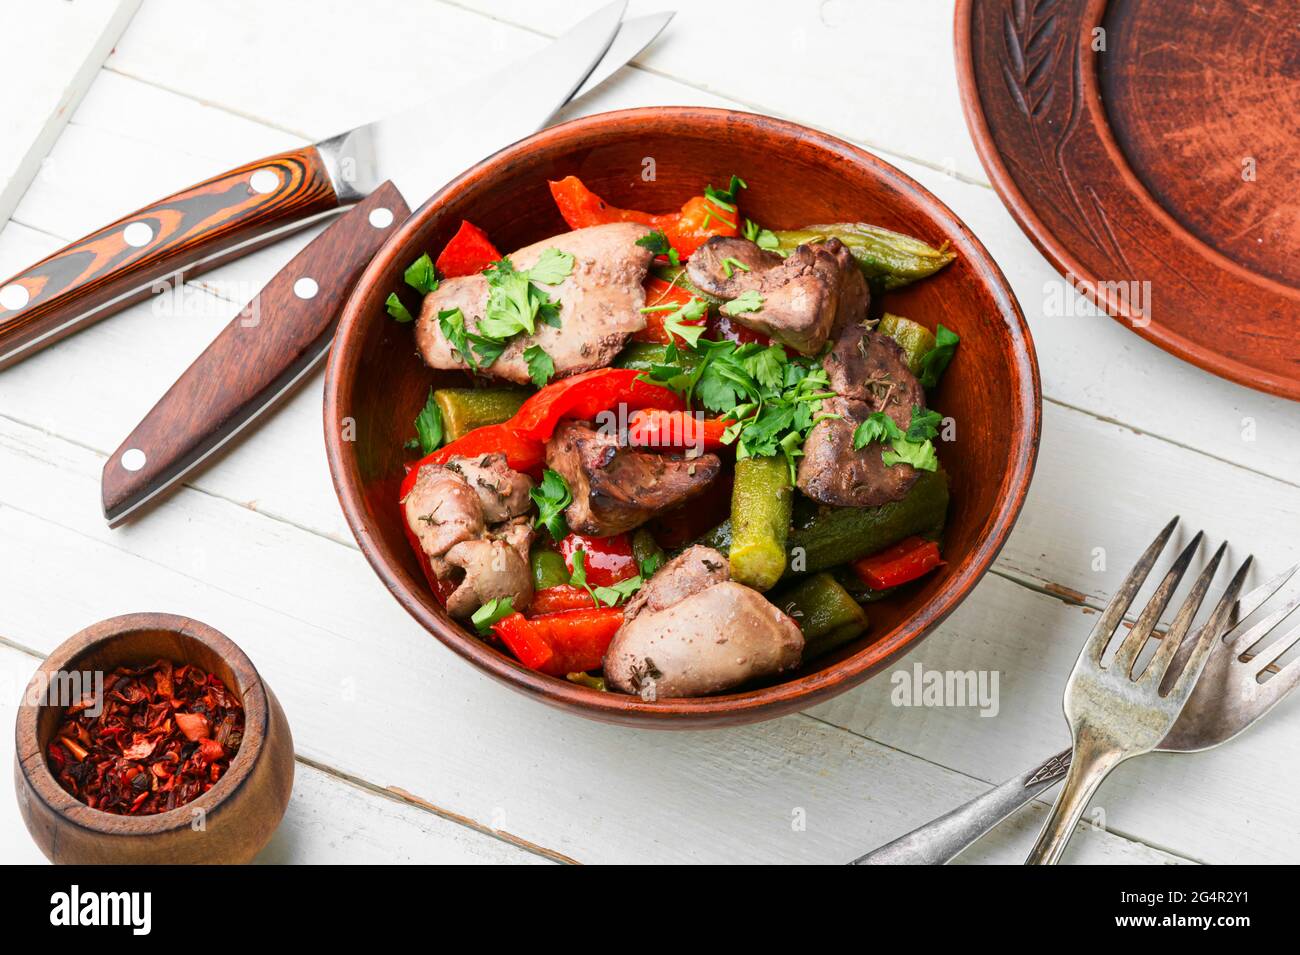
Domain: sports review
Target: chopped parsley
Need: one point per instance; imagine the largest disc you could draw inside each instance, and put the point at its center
(726, 199)
(397, 309)
(616, 593)
(540, 365)
(763, 238)
(421, 275)
(657, 242)
(772, 399)
(747, 301)
(935, 361)
(913, 446)
(650, 564)
(578, 578)
(516, 303)
(681, 318)
(729, 266)
(496, 609)
(552, 496)
(428, 427)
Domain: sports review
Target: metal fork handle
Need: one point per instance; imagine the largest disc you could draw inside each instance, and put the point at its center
(938, 842)
(1094, 758)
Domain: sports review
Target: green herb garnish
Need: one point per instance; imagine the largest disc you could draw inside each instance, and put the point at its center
(657, 242)
(421, 275)
(615, 593)
(913, 446)
(935, 361)
(496, 609)
(747, 301)
(397, 309)
(428, 426)
(540, 365)
(552, 496)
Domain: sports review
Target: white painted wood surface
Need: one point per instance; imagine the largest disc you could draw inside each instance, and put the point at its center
(405, 753)
(49, 58)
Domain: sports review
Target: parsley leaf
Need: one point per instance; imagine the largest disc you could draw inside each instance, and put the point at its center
(421, 275)
(579, 576)
(747, 301)
(912, 447)
(763, 238)
(511, 306)
(552, 496)
(552, 268)
(919, 455)
(540, 365)
(615, 593)
(650, 564)
(730, 264)
(397, 309)
(692, 311)
(428, 426)
(657, 242)
(498, 608)
(935, 361)
(726, 199)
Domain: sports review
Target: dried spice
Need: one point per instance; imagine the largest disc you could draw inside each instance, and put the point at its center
(163, 736)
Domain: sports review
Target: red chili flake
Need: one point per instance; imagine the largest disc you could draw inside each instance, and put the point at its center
(153, 746)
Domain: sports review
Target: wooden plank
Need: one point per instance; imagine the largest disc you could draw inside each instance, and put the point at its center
(370, 694)
(53, 53)
(329, 820)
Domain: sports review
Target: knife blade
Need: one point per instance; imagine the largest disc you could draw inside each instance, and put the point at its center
(278, 338)
(254, 205)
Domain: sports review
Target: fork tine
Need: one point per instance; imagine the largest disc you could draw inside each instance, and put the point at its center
(1173, 638)
(1255, 599)
(1280, 684)
(1246, 640)
(1210, 634)
(1150, 616)
(1104, 628)
(1275, 650)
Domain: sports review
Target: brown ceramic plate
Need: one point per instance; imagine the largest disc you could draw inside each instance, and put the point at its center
(1158, 173)
(796, 176)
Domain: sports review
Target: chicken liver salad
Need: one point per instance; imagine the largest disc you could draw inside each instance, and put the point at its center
(685, 457)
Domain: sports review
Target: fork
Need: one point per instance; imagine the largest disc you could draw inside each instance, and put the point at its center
(1227, 699)
(1117, 711)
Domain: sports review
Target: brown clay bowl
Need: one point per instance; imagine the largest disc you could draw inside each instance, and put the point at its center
(797, 176)
(230, 823)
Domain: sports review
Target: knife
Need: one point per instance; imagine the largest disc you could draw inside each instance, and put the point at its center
(285, 331)
(259, 203)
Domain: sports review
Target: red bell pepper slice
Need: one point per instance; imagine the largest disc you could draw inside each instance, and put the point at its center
(468, 253)
(607, 560)
(698, 220)
(900, 564)
(658, 293)
(587, 395)
(652, 428)
(561, 643)
(522, 453)
(560, 598)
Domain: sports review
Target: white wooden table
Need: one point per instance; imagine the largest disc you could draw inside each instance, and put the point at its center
(405, 753)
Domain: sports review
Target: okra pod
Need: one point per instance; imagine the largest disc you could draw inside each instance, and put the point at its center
(888, 259)
(761, 501)
(828, 536)
(464, 409)
(820, 605)
(915, 339)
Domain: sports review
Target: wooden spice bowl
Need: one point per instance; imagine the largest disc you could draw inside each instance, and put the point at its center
(230, 823)
(655, 159)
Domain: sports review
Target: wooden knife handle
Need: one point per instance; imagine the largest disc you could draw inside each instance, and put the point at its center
(183, 235)
(255, 361)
